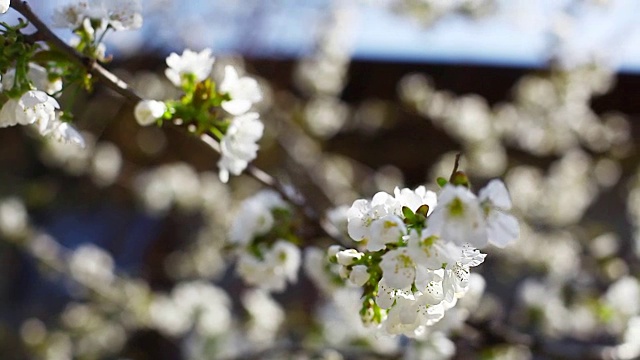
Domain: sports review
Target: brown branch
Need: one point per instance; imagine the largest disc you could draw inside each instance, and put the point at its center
(43, 33)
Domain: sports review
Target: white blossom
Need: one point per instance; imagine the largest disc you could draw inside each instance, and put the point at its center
(386, 294)
(63, 132)
(197, 304)
(243, 91)
(255, 216)
(348, 257)
(458, 217)
(14, 220)
(359, 275)
(398, 268)
(4, 6)
(315, 267)
(502, 228)
(60, 131)
(413, 199)
(189, 63)
(148, 112)
(238, 146)
(388, 229)
(207, 305)
(266, 316)
(278, 265)
(71, 15)
(119, 14)
(123, 14)
(436, 347)
(33, 107)
(432, 252)
(91, 264)
(362, 214)
(333, 250)
(168, 317)
(106, 164)
(38, 76)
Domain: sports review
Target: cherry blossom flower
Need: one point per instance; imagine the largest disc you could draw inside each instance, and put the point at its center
(458, 217)
(4, 6)
(148, 112)
(398, 268)
(119, 14)
(123, 14)
(38, 76)
(388, 229)
(432, 252)
(502, 228)
(278, 266)
(62, 132)
(255, 217)
(238, 147)
(362, 213)
(359, 275)
(38, 109)
(244, 91)
(413, 199)
(190, 63)
(347, 257)
(32, 107)
(70, 15)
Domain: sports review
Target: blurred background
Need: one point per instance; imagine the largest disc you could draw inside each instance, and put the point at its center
(359, 97)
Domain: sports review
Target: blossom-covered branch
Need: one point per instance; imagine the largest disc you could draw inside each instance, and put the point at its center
(233, 85)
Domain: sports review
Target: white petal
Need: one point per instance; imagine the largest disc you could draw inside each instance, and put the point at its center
(387, 229)
(359, 275)
(385, 296)
(4, 6)
(8, 113)
(502, 228)
(236, 107)
(173, 76)
(68, 134)
(497, 193)
(398, 268)
(230, 79)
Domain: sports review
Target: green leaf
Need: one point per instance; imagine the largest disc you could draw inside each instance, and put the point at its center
(441, 182)
(408, 214)
(423, 210)
(43, 57)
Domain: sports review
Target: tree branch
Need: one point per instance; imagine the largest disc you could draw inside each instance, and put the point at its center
(43, 33)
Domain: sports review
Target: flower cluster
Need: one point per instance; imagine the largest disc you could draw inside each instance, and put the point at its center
(417, 249)
(201, 104)
(92, 19)
(268, 257)
(195, 305)
(117, 14)
(36, 106)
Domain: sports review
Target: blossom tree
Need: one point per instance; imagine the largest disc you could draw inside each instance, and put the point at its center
(263, 268)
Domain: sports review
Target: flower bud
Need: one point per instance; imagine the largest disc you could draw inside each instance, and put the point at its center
(149, 111)
(333, 250)
(347, 257)
(344, 272)
(359, 275)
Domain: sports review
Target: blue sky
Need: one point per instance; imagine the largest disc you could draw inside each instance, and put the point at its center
(516, 34)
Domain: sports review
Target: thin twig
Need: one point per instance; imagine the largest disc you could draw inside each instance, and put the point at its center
(121, 87)
(91, 65)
